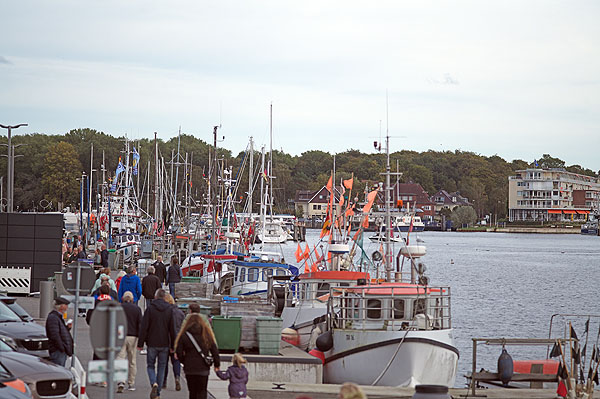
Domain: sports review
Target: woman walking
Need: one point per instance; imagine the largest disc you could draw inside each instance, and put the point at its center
(194, 345)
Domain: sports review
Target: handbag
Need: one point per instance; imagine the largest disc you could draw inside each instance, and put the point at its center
(207, 358)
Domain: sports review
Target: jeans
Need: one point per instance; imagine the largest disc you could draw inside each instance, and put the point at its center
(58, 357)
(172, 289)
(162, 353)
(176, 368)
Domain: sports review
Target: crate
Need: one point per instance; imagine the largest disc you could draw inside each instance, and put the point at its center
(268, 330)
(228, 332)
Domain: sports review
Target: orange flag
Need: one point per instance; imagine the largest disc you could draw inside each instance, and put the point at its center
(298, 253)
(329, 184)
(306, 269)
(348, 183)
(365, 222)
(306, 252)
(325, 229)
(370, 200)
(313, 268)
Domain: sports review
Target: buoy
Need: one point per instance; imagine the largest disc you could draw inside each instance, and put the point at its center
(290, 336)
(505, 367)
(318, 354)
(325, 341)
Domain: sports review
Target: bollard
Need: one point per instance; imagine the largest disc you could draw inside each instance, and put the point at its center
(46, 298)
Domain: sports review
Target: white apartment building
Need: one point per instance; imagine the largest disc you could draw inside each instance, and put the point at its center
(551, 195)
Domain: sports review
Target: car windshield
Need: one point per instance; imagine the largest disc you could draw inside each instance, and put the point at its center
(4, 347)
(22, 313)
(6, 314)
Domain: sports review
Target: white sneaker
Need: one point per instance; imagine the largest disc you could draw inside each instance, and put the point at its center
(131, 387)
(143, 352)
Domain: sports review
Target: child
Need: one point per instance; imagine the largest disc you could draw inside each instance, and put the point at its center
(237, 376)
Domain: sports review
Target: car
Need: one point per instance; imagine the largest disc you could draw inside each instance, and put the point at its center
(44, 378)
(26, 337)
(11, 302)
(12, 387)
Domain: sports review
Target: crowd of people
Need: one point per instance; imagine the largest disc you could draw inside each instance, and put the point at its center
(163, 332)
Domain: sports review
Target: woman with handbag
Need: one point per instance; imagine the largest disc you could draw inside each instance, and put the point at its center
(196, 349)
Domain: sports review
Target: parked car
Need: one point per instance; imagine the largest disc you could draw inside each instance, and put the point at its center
(44, 378)
(11, 302)
(26, 337)
(12, 387)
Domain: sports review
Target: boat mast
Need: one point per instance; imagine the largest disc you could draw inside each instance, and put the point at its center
(126, 199)
(212, 181)
(156, 189)
(251, 170)
(388, 216)
(176, 175)
(263, 199)
(270, 171)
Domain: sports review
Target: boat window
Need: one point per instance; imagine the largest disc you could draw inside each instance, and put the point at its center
(235, 277)
(267, 273)
(419, 306)
(398, 309)
(280, 272)
(253, 274)
(322, 289)
(242, 274)
(373, 308)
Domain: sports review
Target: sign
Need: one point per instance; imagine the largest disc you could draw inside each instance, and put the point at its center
(98, 371)
(100, 329)
(86, 279)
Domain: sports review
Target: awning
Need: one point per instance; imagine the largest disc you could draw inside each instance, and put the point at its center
(568, 211)
(554, 211)
(583, 212)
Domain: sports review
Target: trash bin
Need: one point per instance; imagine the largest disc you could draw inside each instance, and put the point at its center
(188, 279)
(228, 331)
(112, 256)
(204, 310)
(268, 331)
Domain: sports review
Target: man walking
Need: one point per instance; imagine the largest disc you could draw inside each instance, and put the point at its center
(150, 284)
(134, 322)
(160, 269)
(174, 275)
(104, 256)
(158, 333)
(131, 282)
(60, 341)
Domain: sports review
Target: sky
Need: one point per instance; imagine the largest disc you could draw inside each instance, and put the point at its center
(516, 79)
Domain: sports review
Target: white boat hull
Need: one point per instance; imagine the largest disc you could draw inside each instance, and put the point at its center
(361, 356)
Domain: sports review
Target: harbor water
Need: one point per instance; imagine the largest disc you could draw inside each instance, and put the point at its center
(507, 285)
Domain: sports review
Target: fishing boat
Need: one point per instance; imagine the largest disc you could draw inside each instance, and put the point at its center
(408, 222)
(251, 276)
(398, 325)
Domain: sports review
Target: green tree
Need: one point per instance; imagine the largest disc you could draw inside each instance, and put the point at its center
(463, 215)
(547, 161)
(62, 168)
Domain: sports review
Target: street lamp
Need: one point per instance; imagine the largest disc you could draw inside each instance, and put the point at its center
(9, 171)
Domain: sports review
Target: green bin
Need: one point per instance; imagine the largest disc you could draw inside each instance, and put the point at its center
(268, 330)
(228, 331)
(190, 279)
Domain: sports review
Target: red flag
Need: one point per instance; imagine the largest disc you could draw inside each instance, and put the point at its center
(306, 252)
(348, 183)
(370, 200)
(298, 253)
(562, 389)
(365, 222)
(306, 268)
(329, 184)
(313, 268)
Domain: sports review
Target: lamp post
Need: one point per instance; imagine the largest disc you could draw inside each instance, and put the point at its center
(9, 171)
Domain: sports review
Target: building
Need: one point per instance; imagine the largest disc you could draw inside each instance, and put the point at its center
(413, 196)
(551, 195)
(445, 200)
(314, 203)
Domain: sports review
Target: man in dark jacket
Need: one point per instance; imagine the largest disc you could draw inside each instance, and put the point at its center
(104, 256)
(174, 275)
(150, 284)
(131, 282)
(105, 280)
(158, 333)
(160, 269)
(134, 322)
(60, 341)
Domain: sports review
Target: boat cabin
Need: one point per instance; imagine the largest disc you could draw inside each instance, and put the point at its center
(313, 288)
(392, 306)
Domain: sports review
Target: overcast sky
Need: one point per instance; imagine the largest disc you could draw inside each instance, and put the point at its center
(512, 78)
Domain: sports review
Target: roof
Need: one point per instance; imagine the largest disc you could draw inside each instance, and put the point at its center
(388, 289)
(334, 275)
(411, 188)
(314, 196)
(447, 198)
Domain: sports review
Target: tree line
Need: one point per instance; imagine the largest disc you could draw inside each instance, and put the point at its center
(49, 170)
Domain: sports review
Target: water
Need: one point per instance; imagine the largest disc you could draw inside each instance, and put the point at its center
(508, 285)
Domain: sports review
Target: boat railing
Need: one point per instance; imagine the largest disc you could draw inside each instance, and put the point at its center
(390, 308)
(309, 292)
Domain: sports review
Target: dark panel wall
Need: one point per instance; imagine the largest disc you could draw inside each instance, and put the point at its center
(32, 240)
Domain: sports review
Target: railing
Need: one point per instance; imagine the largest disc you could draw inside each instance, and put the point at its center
(390, 308)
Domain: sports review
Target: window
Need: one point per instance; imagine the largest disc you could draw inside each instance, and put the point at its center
(419, 306)
(253, 274)
(322, 289)
(519, 193)
(235, 277)
(266, 274)
(373, 309)
(398, 309)
(280, 272)
(242, 274)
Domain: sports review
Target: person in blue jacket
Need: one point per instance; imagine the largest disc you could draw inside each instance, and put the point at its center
(131, 282)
